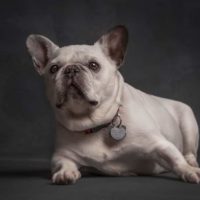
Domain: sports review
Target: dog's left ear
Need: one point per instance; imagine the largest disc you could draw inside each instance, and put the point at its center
(114, 43)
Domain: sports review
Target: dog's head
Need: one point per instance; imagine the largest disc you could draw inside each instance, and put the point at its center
(79, 77)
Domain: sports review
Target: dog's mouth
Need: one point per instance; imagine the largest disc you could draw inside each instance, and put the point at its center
(83, 95)
(79, 91)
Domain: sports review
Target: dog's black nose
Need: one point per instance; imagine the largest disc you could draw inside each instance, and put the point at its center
(71, 70)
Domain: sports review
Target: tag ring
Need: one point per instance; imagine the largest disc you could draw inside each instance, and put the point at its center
(115, 119)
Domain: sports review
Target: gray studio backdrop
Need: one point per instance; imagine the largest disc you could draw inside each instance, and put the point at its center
(163, 58)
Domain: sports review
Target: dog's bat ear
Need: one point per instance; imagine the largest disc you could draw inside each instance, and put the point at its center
(114, 43)
(41, 50)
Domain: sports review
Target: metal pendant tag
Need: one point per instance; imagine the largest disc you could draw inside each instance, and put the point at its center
(118, 133)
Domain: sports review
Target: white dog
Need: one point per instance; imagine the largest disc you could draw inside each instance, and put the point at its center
(104, 123)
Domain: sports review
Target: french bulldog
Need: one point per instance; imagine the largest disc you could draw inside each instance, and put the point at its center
(105, 125)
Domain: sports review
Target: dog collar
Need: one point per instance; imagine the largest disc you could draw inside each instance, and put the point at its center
(117, 131)
(96, 129)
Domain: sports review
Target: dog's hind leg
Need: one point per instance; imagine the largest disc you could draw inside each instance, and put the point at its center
(189, 129)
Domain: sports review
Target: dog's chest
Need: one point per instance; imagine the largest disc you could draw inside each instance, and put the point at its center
(102, 152)
(94, 148)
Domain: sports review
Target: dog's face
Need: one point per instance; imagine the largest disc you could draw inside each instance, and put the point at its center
(79, 77)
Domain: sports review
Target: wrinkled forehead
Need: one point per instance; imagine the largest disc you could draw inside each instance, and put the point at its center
(78, 53)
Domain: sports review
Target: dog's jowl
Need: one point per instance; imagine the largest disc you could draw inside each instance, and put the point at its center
(102, 122)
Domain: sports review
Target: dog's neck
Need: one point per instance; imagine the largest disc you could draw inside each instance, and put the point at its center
(102, 115)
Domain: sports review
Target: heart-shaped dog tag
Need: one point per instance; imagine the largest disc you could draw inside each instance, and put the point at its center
(118, 133)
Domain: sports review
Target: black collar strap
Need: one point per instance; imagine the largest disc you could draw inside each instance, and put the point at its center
(98, 128)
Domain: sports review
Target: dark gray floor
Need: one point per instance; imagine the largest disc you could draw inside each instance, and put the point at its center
(25, 180)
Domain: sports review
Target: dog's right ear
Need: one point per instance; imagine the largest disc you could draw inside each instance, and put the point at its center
(41, 50)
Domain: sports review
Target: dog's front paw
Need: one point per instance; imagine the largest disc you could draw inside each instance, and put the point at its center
(66, 176)
(191, 174)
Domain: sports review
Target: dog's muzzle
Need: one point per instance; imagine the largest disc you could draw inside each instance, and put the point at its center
(72, 79)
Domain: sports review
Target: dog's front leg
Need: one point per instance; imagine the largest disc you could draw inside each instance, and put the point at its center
(168, 156)
(64, 170)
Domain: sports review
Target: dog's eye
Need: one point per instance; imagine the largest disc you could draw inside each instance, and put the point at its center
(94, 66)
(54, 69)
